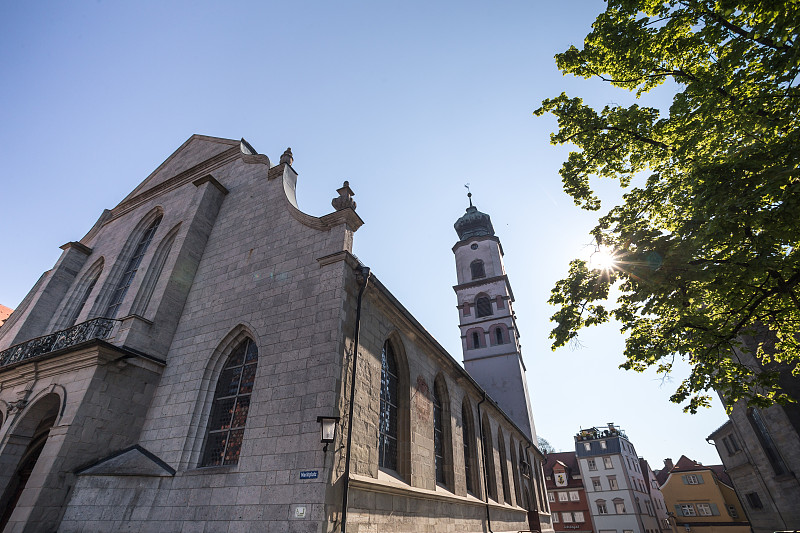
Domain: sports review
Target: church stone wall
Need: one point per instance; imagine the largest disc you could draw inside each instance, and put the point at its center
(259, 276)
(410, 499)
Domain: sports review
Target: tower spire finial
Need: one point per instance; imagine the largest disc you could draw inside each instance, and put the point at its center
(469, 194)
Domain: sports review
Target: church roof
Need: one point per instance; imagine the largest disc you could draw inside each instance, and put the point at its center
(473, 223)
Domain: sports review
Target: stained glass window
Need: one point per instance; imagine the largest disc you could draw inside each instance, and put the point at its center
(230, 406)
(438, 436)
(387, 443)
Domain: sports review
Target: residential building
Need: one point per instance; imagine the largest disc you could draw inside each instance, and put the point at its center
(5, 312)
(760, 449)
(701, 498)
(656, 496)
(569, 506)
(173, 372)
(618, 495)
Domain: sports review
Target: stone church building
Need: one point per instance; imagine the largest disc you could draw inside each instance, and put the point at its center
(173, 372)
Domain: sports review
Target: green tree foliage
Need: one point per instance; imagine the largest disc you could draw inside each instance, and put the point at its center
(707, 247)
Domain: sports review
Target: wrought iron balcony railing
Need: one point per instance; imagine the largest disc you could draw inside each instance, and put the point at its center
(97, 328)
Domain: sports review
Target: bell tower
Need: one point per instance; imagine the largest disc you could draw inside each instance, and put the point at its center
(489, 335)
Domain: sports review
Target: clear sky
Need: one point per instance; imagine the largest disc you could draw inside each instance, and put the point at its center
(407, 100)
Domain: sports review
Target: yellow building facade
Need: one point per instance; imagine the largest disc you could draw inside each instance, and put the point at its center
(701, 498)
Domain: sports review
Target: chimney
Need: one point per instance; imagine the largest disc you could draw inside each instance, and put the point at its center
(668, 464)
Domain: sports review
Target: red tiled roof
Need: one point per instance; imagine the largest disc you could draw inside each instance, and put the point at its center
(723, 476)
(568, 460)
(5, 312)
(685, 464)
(661, 476)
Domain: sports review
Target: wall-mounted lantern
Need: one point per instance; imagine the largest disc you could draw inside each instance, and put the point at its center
(327, 428)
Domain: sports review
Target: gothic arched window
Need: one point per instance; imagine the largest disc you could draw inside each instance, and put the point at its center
(438, 436)
(488, 459)
(467, 436)
(477, 270)
(483, 306)
(84, 289)
(387, 441)
(501, 448)
(230, 406)
(130, 270)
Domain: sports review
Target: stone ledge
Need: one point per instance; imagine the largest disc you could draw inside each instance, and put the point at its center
(344, 255)
(398, 488)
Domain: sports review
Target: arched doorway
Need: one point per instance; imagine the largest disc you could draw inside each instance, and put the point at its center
(31, 436)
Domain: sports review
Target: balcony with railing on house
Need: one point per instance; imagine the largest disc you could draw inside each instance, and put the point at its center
(596, 433)
(56, 342)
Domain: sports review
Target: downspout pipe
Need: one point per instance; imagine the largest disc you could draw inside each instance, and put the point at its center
(485, 472)
(364, 273)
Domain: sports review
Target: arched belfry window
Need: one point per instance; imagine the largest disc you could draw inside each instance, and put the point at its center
(230, 406)
(130, 269)
(499, 337)
(476, 340)
(388, 425)
(483, 306)
(477, 270)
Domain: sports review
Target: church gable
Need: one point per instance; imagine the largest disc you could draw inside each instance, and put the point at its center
(195, 150)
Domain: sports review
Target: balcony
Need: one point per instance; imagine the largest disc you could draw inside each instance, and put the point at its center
(97, 328)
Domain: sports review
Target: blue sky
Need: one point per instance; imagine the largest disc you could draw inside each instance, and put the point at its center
(406, 100)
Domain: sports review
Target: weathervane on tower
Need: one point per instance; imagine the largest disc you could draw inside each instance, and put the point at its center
(469, 194)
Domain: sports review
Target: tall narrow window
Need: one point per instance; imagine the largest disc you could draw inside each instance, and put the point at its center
(84, 297)
(488, 459)
(130, 270)
(468, 439)
(387, 443)
(476, 340)
(483, 306)
(438, 436)
(501, 448)
(498, 335)
(477, 270)
(230, 406)
(767, 444)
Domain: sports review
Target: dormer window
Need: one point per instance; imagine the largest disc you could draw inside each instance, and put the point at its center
(477, 270)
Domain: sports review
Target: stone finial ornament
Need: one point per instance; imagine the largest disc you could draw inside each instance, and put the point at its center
(345, 198)
(287, 157)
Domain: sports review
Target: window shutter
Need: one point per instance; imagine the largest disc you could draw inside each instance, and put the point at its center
(685, 481)
(678, 511)
(714, 509)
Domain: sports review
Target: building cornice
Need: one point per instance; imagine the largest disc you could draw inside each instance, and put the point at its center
(485, 281)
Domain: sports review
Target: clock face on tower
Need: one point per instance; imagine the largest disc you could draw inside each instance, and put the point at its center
(474, 246)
